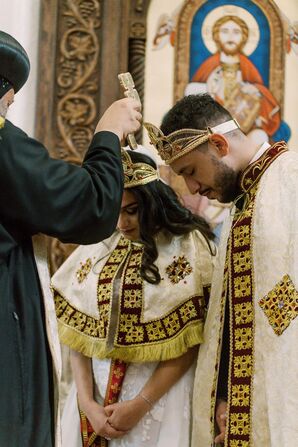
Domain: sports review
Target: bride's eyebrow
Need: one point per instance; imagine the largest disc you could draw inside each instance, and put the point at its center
(129, 205)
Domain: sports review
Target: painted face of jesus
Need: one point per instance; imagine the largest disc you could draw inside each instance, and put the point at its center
(230, 38)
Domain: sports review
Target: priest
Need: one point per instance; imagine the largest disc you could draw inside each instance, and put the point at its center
(43, 196)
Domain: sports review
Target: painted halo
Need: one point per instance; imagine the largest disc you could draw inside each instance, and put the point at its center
(233, 10)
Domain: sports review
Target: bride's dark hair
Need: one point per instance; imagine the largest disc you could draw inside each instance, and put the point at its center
(159, 209)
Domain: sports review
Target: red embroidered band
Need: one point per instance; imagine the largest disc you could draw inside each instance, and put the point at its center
(116, 377)
(238, 290)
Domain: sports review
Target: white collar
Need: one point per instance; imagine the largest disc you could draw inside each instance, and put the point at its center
(260, 152)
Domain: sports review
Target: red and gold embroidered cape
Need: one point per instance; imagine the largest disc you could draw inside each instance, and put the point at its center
(130, 319)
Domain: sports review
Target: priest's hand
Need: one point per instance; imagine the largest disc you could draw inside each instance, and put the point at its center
(221, 420)
(125, 415)
(122, 117)
(98, 419)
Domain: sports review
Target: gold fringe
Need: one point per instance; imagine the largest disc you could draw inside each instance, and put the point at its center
(190, 336)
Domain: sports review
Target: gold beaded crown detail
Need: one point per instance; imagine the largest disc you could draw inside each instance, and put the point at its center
(136, 174)
(181, 142)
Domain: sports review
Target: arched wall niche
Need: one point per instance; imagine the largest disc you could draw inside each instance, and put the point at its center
(85, 44)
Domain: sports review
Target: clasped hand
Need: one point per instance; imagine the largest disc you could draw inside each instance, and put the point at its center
(125, 415)
(115, 420)
(98, 418)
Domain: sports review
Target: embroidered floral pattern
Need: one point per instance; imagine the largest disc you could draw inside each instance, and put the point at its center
(280, 305)
(243, 338)
(239, 424)
(240, 302)
(172, 323)
(114, 386)
(240, 395)
(179, 269)
(241, 236)
(242, 365)
(70, 316)
(84, 270)
(237, 443)
(188, 311)
(132, 329)
(155, 331)
(243, 313)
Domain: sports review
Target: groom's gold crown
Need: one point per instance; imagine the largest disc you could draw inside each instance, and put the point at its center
(181, 142)
(136, 174)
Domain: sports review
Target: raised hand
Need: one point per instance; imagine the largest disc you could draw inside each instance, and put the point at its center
(122, 117)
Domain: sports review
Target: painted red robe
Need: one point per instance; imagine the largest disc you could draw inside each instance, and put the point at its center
(270, 124)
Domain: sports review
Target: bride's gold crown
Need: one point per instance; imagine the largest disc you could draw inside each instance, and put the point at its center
(181, 142)
(136, 174)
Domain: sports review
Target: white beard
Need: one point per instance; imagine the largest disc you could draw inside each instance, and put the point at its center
(3, 108)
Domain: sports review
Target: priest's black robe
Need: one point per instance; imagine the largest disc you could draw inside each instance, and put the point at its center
(39, 194)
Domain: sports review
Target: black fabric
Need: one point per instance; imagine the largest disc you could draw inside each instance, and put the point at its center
(75, 204)
(5, 86)
(14, 61)
(223, 376)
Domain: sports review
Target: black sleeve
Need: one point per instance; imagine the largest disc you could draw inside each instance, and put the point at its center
(223, 376)
(40, 194)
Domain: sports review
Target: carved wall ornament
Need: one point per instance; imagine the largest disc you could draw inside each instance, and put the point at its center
(84, 45)
(77, 61)
(138, 29)
(139, 6)
(76, 87)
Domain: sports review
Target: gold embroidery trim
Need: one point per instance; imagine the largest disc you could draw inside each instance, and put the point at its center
(169, 335)
(280, 305)
(179, 269)
(239, 263)
(84, 270)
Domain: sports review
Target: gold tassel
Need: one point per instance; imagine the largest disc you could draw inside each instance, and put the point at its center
(190, 336)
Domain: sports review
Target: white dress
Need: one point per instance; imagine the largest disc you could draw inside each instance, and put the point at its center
(168, 423)
(177, 302)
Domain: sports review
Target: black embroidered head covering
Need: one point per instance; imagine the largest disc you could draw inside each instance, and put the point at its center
(14, 64)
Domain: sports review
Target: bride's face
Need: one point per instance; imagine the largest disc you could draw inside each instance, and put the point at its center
(128, 223)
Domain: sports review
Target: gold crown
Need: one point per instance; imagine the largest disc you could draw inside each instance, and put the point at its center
(177, 143)
(136, 174)
(181, 142)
